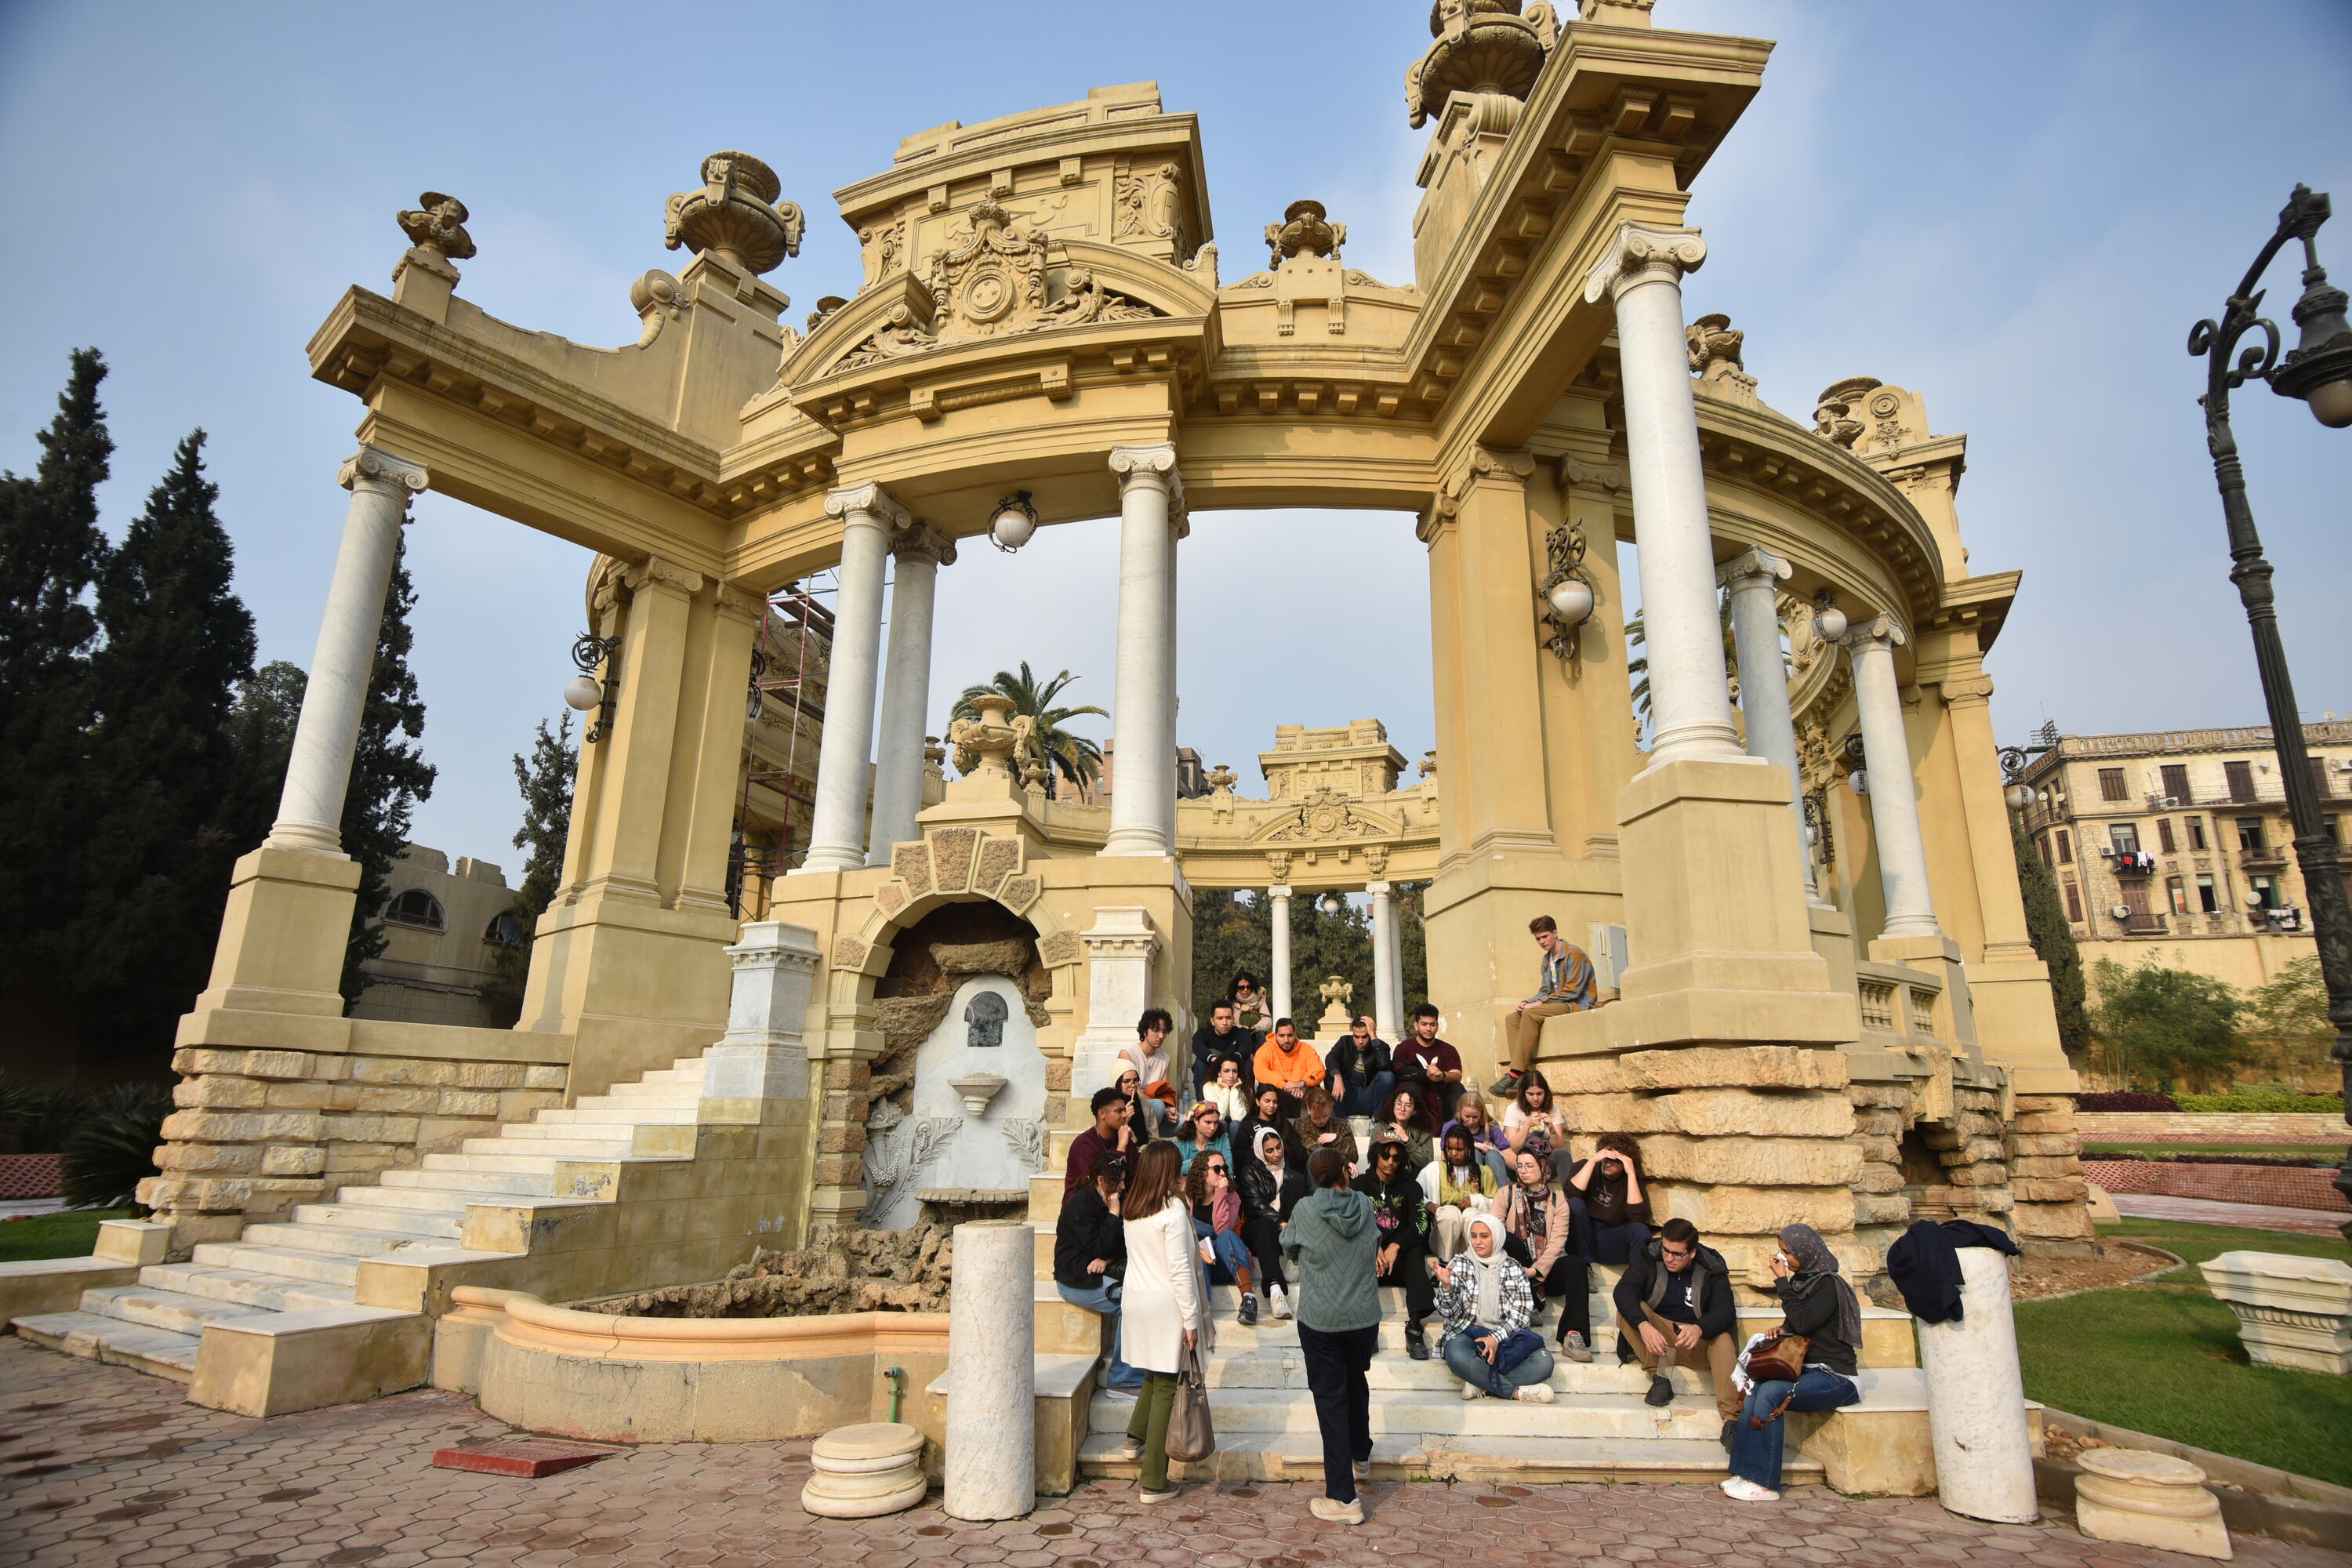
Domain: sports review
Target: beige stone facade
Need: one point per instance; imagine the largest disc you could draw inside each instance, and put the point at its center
(440, 925)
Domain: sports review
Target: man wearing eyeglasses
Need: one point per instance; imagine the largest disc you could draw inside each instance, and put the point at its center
(1674, 1304)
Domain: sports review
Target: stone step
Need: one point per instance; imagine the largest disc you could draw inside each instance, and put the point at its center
(415, 1224)
(336, 1239)
(1261, 1456)
(419, 1201)
(244, 1287)
(514, 1161)
(157, 1351)
(1284, 1368)
(484, 1184)
(505, 1147)
(588, 1113)
(1270, 1333)
(151, 1308)
(1414, 1412)
(581, 1131)
(325, 1268)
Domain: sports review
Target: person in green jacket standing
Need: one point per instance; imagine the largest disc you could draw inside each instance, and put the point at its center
(1331, 1241)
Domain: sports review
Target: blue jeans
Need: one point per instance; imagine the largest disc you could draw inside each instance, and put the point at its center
(1358, 1097)
(1103, 1301)
(1519, 1360)
(1756, 1450)
(1233, 1258)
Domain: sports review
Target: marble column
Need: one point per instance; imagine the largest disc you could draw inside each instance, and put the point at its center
(1690, 703)
(1278, 983)
(319, 769)
(1388, 998)
(990, 1462)
(1179, 529)
(1893, 795)
(1976, 1399)
(1754, 577)
(919, 554)
(838, 827)
(1143, 792)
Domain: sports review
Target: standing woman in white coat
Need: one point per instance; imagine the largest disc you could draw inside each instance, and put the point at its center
(1163, 1307)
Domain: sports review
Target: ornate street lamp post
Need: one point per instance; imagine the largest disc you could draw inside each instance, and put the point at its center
(2319, 372)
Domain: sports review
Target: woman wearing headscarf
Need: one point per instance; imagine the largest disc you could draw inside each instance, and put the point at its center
(1272, 1185)
(1484, 1299)
(1265, 1111)
(1816, 1302)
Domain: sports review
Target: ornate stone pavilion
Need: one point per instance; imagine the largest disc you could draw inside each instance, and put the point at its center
(1830, 1011)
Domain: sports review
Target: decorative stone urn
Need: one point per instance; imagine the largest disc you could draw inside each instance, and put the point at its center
(977, 1090)
(2291, 1311)
(996, 740)
(2148, 1500)
(866, 1470)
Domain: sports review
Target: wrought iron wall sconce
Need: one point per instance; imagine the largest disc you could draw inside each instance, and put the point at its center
(584, 691)
(1567, 594)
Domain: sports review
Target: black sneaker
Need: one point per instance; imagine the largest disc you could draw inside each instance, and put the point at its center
(1662, 1390)
(1727, 1427)
(1249, 1309)
(1507, 1086)
(1414, 1345)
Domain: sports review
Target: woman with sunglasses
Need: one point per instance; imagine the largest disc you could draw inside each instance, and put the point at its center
(1217, 1221)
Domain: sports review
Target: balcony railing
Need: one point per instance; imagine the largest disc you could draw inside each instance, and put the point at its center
(2144, 925)
(2267, 857)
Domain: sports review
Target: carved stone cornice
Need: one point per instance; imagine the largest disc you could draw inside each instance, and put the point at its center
(1639, 255)
(373, 463)
(1754, 567)
(869, 506)
(654, 571)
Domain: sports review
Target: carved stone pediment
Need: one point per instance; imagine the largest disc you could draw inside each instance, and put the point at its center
(1326, 816)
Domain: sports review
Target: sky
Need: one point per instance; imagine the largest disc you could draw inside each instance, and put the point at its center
(2017, 211)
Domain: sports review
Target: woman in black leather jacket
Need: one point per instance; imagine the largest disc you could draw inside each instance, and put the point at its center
(1272, 1185)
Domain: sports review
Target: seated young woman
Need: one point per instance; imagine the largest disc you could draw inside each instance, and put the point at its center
(1407, 1124)
(1265, 1111)
(1271, 1186)
(1130, 1090)
(1227, 1090)
(1203, 1131)
(1400, 1211)
(1535, 1225)
(1217, 1221)
(1484, 1299)
(1321, 1126)
(1487, 1139)
(1460, 1186)
(1818, 1303)
(1608, 1202)
(1532, 1122)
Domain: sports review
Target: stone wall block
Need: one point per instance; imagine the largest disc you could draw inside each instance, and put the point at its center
(406, 1071)
(464, 1102)
(1739, 1112)
(496, 1074)
(212, 1193)
(1878, 1178)
(1878, 1120)
(365, 1129)
(1885, 1096)
(1759, 1162)
(843, 1073)
(244, 1127)
(278, 1065)
(522, 1104)
(1057, 1074)
(2040, 1189)
(190, 1060)
(444, 1134)
(2050, 1222)
(210, 1158)
(1881, 1208)
(839, 1170)
(1978, 1124)
(346, 1159)
(1984, 1173)
(1744, 1210)
(1745, 1067)
(2044, 1143)
(293, 1160)
(309, 1095)
(1586, 1075)
(1976, 1151)
(220, 1091)
(1880, 1150)
(546, 1075)
(2043, 1122)
(383, 1100)
(2046, 1165)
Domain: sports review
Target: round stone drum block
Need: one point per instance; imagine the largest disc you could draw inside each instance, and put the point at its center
(866, 1470)
(2148, 1500)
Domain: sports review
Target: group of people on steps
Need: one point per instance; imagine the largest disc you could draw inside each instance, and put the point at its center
(1481, 1219)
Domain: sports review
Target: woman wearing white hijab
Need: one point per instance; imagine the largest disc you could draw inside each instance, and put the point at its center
(1484, 1302)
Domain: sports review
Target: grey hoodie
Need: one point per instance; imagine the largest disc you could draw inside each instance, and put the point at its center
(1332, 1238)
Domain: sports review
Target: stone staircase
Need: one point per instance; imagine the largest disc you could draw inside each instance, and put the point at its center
(217, 1321)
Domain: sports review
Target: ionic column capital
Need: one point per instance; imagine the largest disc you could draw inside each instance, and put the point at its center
(1878, 632)
(654, 571)
(1153, 466)
(921, 541)
(867, 505)
(374, 469)
(1379, 889)
(1754, 567)
(1279, 891)
(1637, 255)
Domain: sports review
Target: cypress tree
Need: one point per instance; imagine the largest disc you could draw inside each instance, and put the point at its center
(389, 773)
(2054, 945)
(178, 643)
(261, 738)
(51, 553)
(545, 781)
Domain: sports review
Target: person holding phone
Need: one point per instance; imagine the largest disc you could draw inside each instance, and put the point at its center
(1484, 1302)
(1820, 1304)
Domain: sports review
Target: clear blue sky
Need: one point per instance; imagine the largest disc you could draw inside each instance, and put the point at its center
(2016, 210)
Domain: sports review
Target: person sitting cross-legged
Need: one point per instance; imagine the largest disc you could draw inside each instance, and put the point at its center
(1484, 1297)
(1090, 1259)
(1820, 1304)
(1674, 1304)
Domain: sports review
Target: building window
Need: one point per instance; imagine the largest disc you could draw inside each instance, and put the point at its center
(2242, 780)
(2250, 832)
(2111, 785)
(2164, 835)
(2042, 844)
(2176, 781)
(416, 908)
(2266, 888)
(2177, 894)
(506, 929)
(2209, 898)
(2318, 776)
(2196, 832)
(2328, 825)
(2066, 848)
(2074, 904)
(2123, 837)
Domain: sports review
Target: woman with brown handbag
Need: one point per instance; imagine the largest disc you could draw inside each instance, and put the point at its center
(1826, 1318)
(1163, 1310)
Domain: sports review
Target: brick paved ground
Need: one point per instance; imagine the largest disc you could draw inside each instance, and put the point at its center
(100, 1465)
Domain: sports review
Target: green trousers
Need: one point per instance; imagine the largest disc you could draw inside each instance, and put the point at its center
(1149, 1426)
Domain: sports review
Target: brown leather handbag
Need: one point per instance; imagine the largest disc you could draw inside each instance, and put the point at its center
(1779, 1358)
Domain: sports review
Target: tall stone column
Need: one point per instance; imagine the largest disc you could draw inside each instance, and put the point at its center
(1690, 705)
(1143, 795)
(319, 770)
(1886, 755)
(905, 689)
(1278, 983)
(1754, 577)
(1179, 528)
(1388, 1000)
(838, 827)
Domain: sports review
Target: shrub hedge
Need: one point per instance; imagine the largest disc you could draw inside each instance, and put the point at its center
(2261, 1104)
(2125, 1099)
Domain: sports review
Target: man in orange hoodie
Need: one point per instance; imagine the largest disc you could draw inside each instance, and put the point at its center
(1290, 1066)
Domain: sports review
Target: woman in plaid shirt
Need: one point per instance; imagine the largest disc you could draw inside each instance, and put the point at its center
(1484, 1302)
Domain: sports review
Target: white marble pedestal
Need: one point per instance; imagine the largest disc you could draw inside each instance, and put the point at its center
(991, 1441)
(1976, 1399)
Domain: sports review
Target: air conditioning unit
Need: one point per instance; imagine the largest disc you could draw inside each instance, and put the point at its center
(2344, 765)
(2121, 911)
(2171, 802)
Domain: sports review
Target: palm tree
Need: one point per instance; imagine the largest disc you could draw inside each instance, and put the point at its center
(1637, 636)
(1068, 757)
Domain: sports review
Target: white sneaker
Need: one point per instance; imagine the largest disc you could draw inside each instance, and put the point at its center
(1131, 1449)
(1472, 1391)
(1739, 1489)
(1536, 1393)
(1281, 1302)
(1363, 1470)
(1323, 1508)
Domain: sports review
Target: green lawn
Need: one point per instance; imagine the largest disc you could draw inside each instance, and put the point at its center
(2164, 1358)
(54, 1234)
(2316, 1153)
